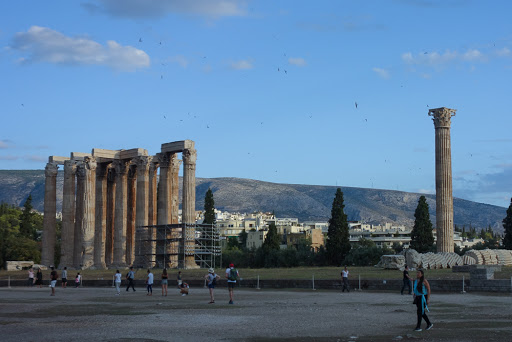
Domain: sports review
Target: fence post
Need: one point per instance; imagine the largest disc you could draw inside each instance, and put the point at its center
(359, 282)
(204, 284)
(314, 282)
(9, 282)
(463, 285)
(258, 283)
(113, 281)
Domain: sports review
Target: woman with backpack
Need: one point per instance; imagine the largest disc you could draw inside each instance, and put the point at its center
(231, 275)
(212, 278)
(422, 299)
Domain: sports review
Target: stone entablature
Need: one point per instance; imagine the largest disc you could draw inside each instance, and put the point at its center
(107, 194)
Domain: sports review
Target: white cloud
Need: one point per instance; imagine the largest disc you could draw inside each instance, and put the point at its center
(472, 55)
(426, 191)
(429, 59)
(9, 157)
(503, 52)
(4, 144)
(241, 65)
(181, 60)
(297, 61)
(160, 8)
(381, 72)
(37, 159)
(41, 44)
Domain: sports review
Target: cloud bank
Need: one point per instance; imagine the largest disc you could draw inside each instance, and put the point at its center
(159, 8)
(41, 44)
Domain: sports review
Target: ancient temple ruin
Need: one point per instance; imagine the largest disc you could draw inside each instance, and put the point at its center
(108, 195)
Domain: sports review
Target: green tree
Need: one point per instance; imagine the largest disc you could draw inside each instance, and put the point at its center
(338, 242)
(507, 226)
(272, 240)
(26, 224)
(422, 238)
(209, 208)
(242, 237)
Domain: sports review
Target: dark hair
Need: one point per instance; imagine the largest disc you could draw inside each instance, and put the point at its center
(419, 285)
(164, 272)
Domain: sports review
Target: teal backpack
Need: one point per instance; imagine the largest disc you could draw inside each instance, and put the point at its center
(233, 274)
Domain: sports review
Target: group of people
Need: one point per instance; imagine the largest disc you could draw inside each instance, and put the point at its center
(211, 279)
(37, 278)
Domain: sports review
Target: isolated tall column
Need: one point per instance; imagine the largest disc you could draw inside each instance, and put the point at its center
(68, 215)
(188, 206)
(444, 195)
(50, 211)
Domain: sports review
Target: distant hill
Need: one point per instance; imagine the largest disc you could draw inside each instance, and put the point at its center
(306, 202)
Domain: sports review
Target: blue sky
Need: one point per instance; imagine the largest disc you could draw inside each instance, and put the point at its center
(267, 89)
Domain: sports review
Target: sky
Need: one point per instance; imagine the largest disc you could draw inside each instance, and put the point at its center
(300, 92)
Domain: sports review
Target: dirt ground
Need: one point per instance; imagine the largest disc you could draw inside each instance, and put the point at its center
(96, 314)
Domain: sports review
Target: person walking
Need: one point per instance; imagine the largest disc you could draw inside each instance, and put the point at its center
(149, 283)
(212, 278)
(117, 281)
(422, 299)
(232, 276)
(53, 279)
(78, 279)
(130, 276)
(406, 281)
(344, 277)
(64, 277)
(30, 281)
(164, 282)
(39, 278)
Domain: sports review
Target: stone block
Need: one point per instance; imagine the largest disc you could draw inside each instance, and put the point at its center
(108, 154)
(133, 153)
(57, 160)
(79, 155)
(392, 262)
(18, 265)
(177, 146)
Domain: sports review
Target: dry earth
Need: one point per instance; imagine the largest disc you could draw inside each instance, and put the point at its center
(96, 314)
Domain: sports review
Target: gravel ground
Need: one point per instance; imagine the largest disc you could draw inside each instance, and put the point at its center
(96, 314)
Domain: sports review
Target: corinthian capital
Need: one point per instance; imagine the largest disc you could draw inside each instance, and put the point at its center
(442, 116)
(121, 167)
(189, 156)
(51, 170)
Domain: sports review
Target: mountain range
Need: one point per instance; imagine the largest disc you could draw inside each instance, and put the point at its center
(305, 202)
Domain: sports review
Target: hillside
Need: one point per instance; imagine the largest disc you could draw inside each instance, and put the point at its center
(306, 202)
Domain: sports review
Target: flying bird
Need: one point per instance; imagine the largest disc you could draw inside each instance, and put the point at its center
(277, 69)
(286, 72)
(140, 40)
(165, 117)
(356, 104)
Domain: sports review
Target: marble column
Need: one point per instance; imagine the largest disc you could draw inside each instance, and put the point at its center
(79, 215)
(188, 206)
(89, 212)
(142, 243)
(176, 232)
(68, 215)
(130, 223)
(164, 189)
(121, 205)
(152, 212)
(111, 203)
(101, 216)
(444, 196)
(50, 212)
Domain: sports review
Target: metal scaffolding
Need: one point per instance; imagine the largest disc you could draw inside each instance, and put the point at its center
(163, 246)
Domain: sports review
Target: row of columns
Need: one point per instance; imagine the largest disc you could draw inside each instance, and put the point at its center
(105, 201)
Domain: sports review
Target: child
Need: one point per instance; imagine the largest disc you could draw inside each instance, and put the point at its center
(184, 289)
(77, 279)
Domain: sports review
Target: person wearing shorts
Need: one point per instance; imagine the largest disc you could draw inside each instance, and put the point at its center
(164, 282)
(117, 281)
(64, 277)
(211, 278)
(53, 280)
(231, 275)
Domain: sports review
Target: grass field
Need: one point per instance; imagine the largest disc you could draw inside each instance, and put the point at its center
(269, 273)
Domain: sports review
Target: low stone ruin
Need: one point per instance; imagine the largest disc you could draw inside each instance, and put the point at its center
(446, 260)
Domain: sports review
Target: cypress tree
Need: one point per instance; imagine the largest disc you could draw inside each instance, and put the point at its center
(209, 209)
(338, 242)
(26, 226)
(422, 238)
(272, 240)
(507, 226)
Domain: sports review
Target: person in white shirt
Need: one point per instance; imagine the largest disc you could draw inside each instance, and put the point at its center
(212, 279)
(149, 282)
(64, 277)
(344, 277)
(117, 281)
